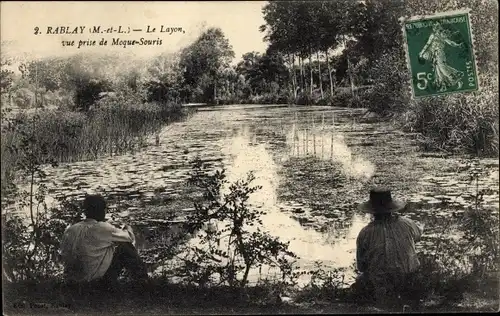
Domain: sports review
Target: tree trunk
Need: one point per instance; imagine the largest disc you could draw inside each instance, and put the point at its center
(294, 77)
(349, 70)
(215, 93)
(311, 73)
(301, 66)
(319, 75)
(329, 72)
(245, 276)
(292, 74)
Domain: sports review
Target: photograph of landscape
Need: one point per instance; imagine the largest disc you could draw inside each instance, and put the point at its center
(249, 157)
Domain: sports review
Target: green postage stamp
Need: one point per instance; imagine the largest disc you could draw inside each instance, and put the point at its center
(440, 53)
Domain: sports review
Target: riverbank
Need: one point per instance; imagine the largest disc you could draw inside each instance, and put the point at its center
(52, 136)
(160, 297)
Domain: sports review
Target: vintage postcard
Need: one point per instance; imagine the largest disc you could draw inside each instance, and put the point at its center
(241, 157)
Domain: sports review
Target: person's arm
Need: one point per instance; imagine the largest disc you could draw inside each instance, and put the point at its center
(416, 231)
(130, 231)
(114, 234)
(452, 43)
(424, 53)
(360, 253)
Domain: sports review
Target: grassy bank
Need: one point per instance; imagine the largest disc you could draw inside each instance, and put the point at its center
(159, 296)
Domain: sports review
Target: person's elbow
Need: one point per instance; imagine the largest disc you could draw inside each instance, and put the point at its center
(121, 238)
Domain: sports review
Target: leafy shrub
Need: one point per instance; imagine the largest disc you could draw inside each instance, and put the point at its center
(31, 243)
(341, 98)
(31, 250)
(327, 100)
(31, 234)
(303, 99)
(390, 93)
(325, 285)
(234, 242)
(457, 122)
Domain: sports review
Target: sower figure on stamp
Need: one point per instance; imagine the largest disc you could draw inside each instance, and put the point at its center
(96, 250)
(434, 51)
(386, 255)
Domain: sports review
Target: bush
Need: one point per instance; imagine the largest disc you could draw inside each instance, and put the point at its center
(233, 243)
(304, 99)
(390, 93)
(269, 98)
(341, 98)
(326, 101)
(324, 285)
(465, 122)
(31, 244)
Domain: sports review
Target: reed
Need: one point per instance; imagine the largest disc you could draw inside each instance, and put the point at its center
(64, 136)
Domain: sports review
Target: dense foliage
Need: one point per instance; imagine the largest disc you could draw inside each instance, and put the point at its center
(367, 39)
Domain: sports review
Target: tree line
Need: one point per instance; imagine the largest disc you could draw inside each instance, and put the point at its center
(314, 48)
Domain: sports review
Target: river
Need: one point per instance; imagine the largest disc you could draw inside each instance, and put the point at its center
(315, 164)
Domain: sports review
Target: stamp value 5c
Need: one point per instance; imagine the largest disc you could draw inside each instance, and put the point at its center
(440, 54)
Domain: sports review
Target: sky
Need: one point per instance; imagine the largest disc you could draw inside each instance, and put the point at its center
(239, 21)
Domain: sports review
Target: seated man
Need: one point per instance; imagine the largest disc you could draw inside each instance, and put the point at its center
(386, 253)
(96, 250)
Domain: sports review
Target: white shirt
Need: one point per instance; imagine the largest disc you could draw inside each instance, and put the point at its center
(87, 248)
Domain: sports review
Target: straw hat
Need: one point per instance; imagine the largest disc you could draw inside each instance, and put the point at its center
(381, 202)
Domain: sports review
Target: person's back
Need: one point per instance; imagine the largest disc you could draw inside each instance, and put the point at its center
(386, 254)
(94, 249)
(387, 245)
(87, 249)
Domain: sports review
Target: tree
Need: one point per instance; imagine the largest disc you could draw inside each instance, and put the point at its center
(48, 72)
(164, 79)
(303, 29)
(86, 78)
(281, 30)
(260, 71)
(6, 75)
(203, 61)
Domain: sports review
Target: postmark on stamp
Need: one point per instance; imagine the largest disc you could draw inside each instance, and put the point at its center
(440, 53)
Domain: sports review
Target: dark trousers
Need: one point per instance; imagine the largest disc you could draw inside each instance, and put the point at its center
(126, 257)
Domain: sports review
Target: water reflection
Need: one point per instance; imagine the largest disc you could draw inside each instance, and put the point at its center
(324, 142)
(335, 249)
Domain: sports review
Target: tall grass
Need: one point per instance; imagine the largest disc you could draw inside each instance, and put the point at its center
(65, 136)
(458, 123)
